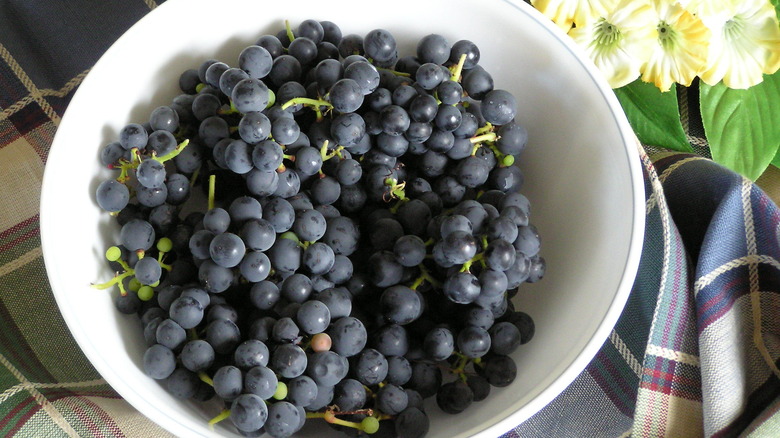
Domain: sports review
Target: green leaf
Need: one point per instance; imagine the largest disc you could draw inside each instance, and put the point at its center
(742, 125)
(776, 160)
(776, 4)
(654, 115)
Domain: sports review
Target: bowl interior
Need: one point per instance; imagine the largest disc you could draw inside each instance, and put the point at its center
(582, 178)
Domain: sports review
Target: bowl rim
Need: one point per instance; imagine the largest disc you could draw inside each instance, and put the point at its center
(497, 427)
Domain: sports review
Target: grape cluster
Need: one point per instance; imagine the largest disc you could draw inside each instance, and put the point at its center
(363, 233)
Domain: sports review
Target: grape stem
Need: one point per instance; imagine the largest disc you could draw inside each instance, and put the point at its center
(467, 266)
(334, 412)
(395, 72)
(194, 177)
(485, 129)
(394, 208)
(289, 31)
(314, 103)
(458, 68)
(212, 190)
(331, 418)
(229, 110)
(396, 190)
(425, 275)
(118, 278)
(172, 154)
(222, 416)
(326, 155)
(205, 378)
(461, 364)
(490, 136)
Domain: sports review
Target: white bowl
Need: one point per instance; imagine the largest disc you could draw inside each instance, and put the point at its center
(582, 171)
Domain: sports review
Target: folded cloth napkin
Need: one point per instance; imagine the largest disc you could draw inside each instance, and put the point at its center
(695, 350)
(694, 353)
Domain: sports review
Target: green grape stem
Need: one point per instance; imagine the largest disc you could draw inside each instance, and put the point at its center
(194, 177)
(331, 418)
(394, 208)
(172, 154)
(397, 191)
(426, 276)
(324, 150)
(205, 378)
(485, 129)
(231, 109)
(289, 31)
(395, 72)
(222, 416)
(490, 136)
(118, 279)
(461, 364)
(467, 266)
(333, 153)
(458, 68)
(212, 190)
(315, 103)
(163, 265)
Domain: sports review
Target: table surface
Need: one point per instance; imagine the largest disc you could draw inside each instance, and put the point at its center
(708, 280)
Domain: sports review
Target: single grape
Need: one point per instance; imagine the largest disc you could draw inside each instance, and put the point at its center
(248, 412)
(159, 362)
(133, 135)
(170, 334)
(289, 360)
(260, 381)
(112, 195)
(433, 48)
(499, 107)
(348, 335)
(283, 419)
(227, 249)
(454, 397)
(250, 95)
(313, 317)
(197, 355)
(301, 391)
(327, 368)
(371, 367)
(473, 342)
(256, 61)
(137, 234)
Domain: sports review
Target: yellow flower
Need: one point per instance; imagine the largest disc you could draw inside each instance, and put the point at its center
(567, 12)
(745, 42)
(620, 41)
(681, 49)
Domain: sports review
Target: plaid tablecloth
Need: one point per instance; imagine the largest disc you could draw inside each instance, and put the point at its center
(695, 352)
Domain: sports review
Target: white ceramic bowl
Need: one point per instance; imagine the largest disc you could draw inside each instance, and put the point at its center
(582, 171)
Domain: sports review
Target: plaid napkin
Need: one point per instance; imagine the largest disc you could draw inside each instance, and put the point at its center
(695, 352)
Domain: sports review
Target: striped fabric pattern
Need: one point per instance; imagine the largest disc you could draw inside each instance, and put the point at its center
(695, 352)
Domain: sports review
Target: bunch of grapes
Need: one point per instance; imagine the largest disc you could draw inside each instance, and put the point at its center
(362, 236)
